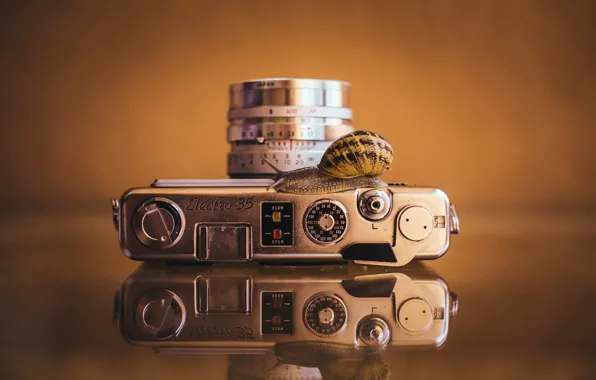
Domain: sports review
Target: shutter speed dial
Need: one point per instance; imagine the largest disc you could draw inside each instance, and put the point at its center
(326, 221)
(158, 223)
(325, 314)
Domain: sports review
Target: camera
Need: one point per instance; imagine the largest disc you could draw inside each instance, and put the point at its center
(242, 220)
(205, 309)
(335, 211)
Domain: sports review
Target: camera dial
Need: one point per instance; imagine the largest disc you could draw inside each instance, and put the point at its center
(158, 223)
(160, 314)
(325, 314)
(326, 222)
(415, 315)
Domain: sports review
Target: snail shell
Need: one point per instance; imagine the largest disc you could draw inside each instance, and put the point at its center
(360, 153)
(353, 161)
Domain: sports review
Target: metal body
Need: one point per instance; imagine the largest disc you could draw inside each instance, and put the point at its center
(241, 316)
(291, 122)
(241, 220)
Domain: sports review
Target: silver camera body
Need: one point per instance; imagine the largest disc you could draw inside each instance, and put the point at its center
(290, 122)
(241, 220)
(196, 308)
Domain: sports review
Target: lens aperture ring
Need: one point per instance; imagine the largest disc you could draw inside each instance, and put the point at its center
(261, 132)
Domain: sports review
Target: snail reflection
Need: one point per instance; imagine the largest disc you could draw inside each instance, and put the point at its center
(311, 361)
(343, 312)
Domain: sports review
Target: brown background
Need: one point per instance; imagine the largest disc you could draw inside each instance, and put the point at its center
(493, 101)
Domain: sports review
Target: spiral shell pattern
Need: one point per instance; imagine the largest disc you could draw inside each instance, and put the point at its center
(360, 153)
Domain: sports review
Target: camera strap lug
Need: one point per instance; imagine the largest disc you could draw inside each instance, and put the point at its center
(116, 213)
(454, 220)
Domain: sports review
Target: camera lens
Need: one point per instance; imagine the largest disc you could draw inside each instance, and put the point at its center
(289, 122)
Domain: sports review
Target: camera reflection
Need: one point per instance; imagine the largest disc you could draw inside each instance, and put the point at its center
(316, 321)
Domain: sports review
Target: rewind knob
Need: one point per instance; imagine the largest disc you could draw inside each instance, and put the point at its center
(158, 223)
(160, 314)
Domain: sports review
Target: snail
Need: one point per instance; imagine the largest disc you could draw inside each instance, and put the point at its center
(352, 161)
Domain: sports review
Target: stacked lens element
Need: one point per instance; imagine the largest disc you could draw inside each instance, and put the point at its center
(288, 122)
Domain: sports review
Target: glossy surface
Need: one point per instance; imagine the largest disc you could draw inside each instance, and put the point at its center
(256, 308)
(519, 281)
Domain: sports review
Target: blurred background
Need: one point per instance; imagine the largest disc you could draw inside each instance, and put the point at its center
(492, 101)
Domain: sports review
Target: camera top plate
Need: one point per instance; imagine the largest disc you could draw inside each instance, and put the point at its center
(243, 220)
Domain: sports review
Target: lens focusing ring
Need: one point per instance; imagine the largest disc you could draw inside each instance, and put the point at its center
(290, 92)
(291, 120)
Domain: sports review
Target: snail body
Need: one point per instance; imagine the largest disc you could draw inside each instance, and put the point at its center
(353, 161)
(313, 181)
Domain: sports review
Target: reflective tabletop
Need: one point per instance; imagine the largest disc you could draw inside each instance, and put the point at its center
(513, 299)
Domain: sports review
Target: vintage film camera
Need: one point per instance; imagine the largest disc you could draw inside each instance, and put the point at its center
(254, 307)
(288, 122)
